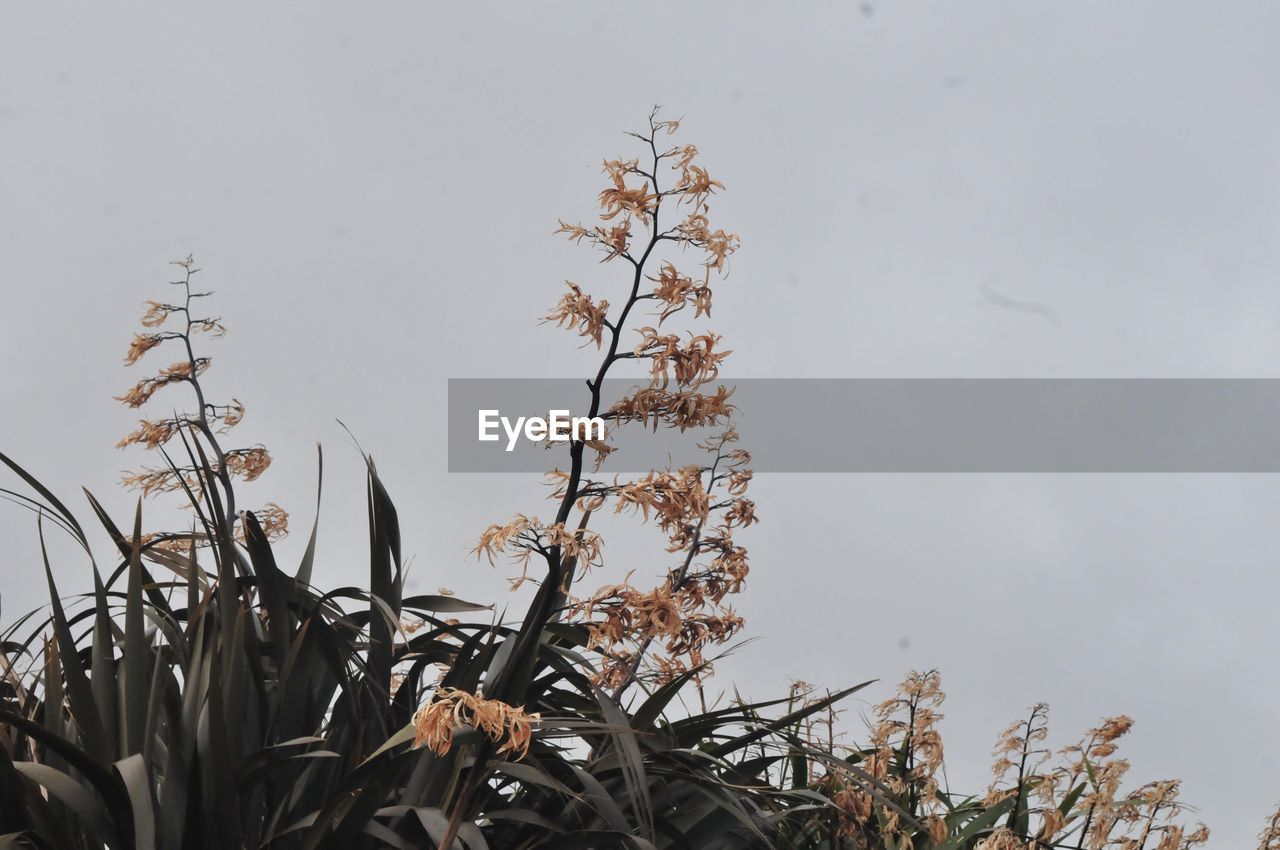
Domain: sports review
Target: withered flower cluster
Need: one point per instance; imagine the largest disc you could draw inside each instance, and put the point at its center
(449, 710)
(198, 431)
(906, 759)
(659, 208)
(1019, 753)
(1068, 798)
(577, 310)
(679, 368)
(660, 633)
(525, 536)
(1104, 816)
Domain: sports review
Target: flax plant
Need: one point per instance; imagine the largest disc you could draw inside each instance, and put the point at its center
(1039, 798)
(199, 693)
(203, 695)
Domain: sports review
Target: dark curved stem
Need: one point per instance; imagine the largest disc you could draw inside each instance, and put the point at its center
(507, 685)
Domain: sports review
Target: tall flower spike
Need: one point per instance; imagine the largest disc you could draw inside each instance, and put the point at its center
(684, 613)
(203, 423)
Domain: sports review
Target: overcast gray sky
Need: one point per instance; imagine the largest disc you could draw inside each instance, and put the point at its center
(371, 191)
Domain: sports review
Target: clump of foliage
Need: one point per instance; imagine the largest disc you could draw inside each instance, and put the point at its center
(1038, 797)
(204, 695)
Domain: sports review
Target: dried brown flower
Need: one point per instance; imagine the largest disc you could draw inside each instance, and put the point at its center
(142, 343)
(147, 387)
(153, 434)
(619, 199)
(576, 309)
(248, 463)
(274, 521)
(448, 709)
(574, 232)
(156, 313)
(655, 406)
(676, 291)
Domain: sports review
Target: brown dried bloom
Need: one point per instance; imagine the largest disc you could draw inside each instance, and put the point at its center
(685, 614)
(619, 615)
(906, 751)
(1104, 736)
(274, 521)
(654, 406)
(1198, 837)
(619, 199)
(216, 466)
(448, 709)
(1002, 839)
(718, 244)
(678, 499)
(153, 434)
(576, 309)
(147, 387)
(156, 314)
(1100, 802)
(498, 538)
(677, 290)
(1146, 815)
(573, 232)
(1019, 750)
(692, 365)
(213, 327)
(157, 481)
(230, 414)
(695, 183)
(615, 240)
(248, 463)
(1098, 743)
(526, 536)
(142, 343)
